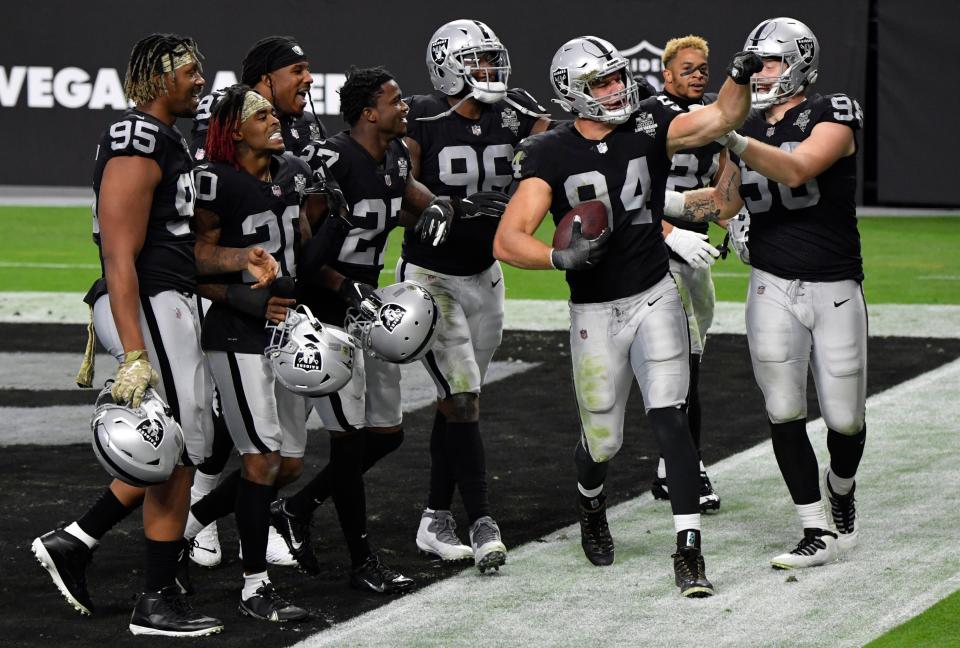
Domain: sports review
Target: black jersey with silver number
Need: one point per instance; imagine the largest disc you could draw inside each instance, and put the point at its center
(252, 212)
(374, 191)
(166, 260)
(808, 233)
(297, 131)
(626, 170)
(458, 157)
(692, 168)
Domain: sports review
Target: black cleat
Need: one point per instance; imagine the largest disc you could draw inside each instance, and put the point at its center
(168, 613)
(295, 531)
(66, 558)
(268, 605)
(709, 500)
(843, 509)
(690, 572)
(659, 488)
(595, 534)
(182, 579)
(374, 576)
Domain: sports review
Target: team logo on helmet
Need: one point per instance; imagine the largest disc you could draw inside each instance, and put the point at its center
(307, 359)
(391, 315)
(561, 79)
(805, 46)
(438, 50)
(151, 430)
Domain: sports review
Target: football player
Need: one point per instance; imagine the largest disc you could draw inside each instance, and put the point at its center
(625, 309)
(368, 168)
(144, 314)
(461, 140)
(685, 77)
(797, 176)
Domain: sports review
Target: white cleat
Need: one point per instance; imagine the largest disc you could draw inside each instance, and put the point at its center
(205, 550)
(843, 509)
(818, 547)
(437, 535)
(489, 552)
(277, 551)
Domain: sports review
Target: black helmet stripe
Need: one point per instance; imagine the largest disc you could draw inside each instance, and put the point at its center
(603, 49)
(756, 35)
(483, 30)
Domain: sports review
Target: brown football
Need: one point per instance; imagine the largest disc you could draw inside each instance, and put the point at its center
(593, 219)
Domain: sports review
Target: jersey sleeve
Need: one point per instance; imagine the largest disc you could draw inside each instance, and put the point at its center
(530, 160)
(211, 189)
(654, 117)
(839, 109)
(132, 136)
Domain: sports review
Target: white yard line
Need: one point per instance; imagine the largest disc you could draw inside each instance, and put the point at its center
(909, 501)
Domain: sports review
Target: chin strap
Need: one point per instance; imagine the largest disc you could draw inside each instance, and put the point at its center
(526, 111)
(447, 113)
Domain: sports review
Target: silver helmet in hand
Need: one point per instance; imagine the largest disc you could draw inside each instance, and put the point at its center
(398, 323)
(308, 357)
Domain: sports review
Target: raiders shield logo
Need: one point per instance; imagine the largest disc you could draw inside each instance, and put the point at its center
(438, 50)
(646, 62)
(805, 46)
(391, 315)
(561, 79)
(151, 431)
(307, 359)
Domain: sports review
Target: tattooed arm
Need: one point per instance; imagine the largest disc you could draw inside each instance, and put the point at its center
(213, 258)
(718, 203)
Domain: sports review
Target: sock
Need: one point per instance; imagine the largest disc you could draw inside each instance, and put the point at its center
(105, 513)
(798, 463)
(845, 453)
(314, 493)
(693, 401)
(689, 522)
(161, 567)
(203, 485)
(74, 529)
(252, 582)
(346, 456)
(194, 526)
(662, 468)
(253, 520)
(219, 503)
(377, 445)
(813, 516)
(689, 537)
(671, 430)
(590, 474)
(442, 481)
(591, 499)
(840, 485)
(470, 467)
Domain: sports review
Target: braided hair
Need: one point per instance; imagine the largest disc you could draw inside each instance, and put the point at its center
(224, 120)
(151, 59)
(361, 90)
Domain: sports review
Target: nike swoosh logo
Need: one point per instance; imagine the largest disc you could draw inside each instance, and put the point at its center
(378, 588)
(651, 303)
(493, 284)
(838, 304)
(202, 548)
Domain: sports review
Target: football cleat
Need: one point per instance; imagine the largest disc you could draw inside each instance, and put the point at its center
(659, 488)
(595, 535)
(437, 535)
(168, 613)
(205, 548)
(268, 605)
(295, 532)
(489, 552)
(709, 500)
(818, 547)
(278, 553)
(66, 558)
(690, 573)
(374, 576)
(844, 511)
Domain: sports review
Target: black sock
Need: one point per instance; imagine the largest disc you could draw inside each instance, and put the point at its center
(253, 519)
(222, 446)
(672, 431)
(378, 445)
(105, 514)
(688, 538)
(845, 452)
(798, 463)
(590, 475)
(218, 503)
(470, 467)
(162, 558)
(346, 456)
(306, 500)
(442, 480)
(693, 401)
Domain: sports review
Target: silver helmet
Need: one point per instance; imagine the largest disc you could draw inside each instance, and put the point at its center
(398, 323)
(795, 45)
(308, 357)
(582, 61)
(138, 446)
(453, 55)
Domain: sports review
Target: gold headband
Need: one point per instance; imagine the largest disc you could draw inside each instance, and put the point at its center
(178, 60)
(252, 104)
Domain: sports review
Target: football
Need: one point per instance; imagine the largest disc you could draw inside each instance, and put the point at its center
(593, 218)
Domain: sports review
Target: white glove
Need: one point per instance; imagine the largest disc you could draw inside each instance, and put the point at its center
(738, 229)
(693, 247)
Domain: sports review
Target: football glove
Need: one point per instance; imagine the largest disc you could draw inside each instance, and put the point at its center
(582, 253)
(354, 292)
(692, 247)
(435, 221)
(484, 203)
(738, 229)
(134, 375)
(743, 66)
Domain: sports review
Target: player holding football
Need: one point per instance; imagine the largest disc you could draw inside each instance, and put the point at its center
(625, 309)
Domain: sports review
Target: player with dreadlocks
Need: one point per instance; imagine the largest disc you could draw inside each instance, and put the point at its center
(144, 314)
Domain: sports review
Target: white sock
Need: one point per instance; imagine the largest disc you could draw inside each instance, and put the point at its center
(203, 484)
(662, 469)
(686, 522)
(840, 485)
(74, 529)
(193, 527)
(590, 492)
(813, 516)
(252, 582)
(703, 468)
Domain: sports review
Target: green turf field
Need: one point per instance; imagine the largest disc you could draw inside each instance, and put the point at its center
(938, 626)
(908, 260)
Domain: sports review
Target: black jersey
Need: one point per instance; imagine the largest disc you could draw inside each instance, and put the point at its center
(297, 131)
(458, 157)
(627, 170)
(808, 233)
(692, 168)
(374, 191)
(166, 260)
(252, 213)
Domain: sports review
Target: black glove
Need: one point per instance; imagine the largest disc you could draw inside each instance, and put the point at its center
(743, 66)
(283, 287)
(582, 253)
(324, 183)
(354, 292)
(484, 203)
(435, 221)
(252, 301)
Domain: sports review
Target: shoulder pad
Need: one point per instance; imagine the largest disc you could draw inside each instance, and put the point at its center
(525, 103)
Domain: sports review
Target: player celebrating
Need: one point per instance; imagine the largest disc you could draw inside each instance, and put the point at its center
(625, 310)
(461, 141)
(805, 305)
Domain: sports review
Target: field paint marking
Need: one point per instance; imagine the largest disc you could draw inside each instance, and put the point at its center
(49, 266)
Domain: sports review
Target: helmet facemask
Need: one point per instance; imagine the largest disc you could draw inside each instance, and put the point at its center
(397, 324)
(796, 47)
(309, 358)
(493, 73)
